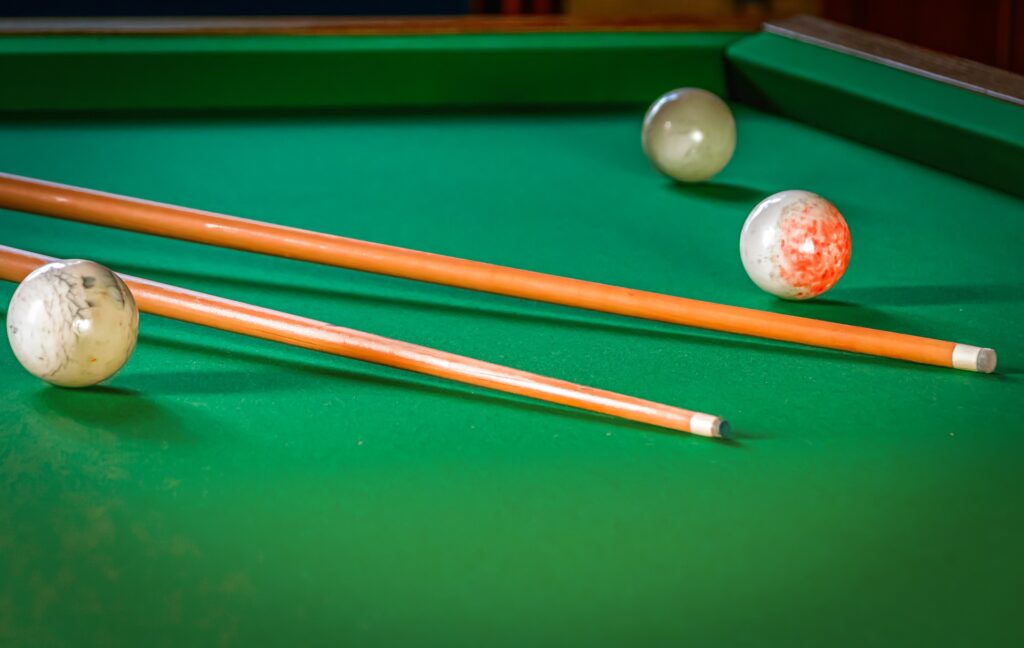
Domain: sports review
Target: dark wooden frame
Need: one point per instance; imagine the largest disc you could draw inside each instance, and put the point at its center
(894, 53)
(343, 26)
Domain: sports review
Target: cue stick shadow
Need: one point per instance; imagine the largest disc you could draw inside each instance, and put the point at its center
(501, 308)
(406, 381)
(935, 295)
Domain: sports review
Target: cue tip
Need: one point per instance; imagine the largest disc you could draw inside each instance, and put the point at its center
(709, 426)
(972, 358)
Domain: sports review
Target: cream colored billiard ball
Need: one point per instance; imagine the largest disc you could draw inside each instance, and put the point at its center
(689, 134)
(72, 323)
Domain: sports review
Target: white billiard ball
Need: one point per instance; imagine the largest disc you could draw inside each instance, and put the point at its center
(72, 323)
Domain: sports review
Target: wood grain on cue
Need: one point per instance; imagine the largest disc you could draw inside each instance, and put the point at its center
(122, 212)
(237, 317)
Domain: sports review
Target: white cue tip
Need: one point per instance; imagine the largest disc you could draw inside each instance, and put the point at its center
(974, 358)
(709, 426)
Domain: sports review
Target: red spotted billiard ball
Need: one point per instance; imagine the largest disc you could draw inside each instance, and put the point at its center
(795, 245)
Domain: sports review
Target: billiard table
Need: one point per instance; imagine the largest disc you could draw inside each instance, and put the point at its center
(222, 490)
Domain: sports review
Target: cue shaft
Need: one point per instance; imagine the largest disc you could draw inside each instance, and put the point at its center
(237, 317)
(133, 214)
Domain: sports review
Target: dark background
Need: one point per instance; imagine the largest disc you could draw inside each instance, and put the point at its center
(988, 31)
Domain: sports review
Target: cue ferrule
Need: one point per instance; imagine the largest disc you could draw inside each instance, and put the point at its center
(972, 358)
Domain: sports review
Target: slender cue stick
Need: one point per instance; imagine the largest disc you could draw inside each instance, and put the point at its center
(237, 317)
(123, 212)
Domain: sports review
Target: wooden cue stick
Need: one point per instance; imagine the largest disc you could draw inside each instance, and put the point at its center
(237, 317)
(123, 212)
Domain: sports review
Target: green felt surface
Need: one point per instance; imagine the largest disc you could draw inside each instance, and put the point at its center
(228, 491)
(968, 134)
(69, 73)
